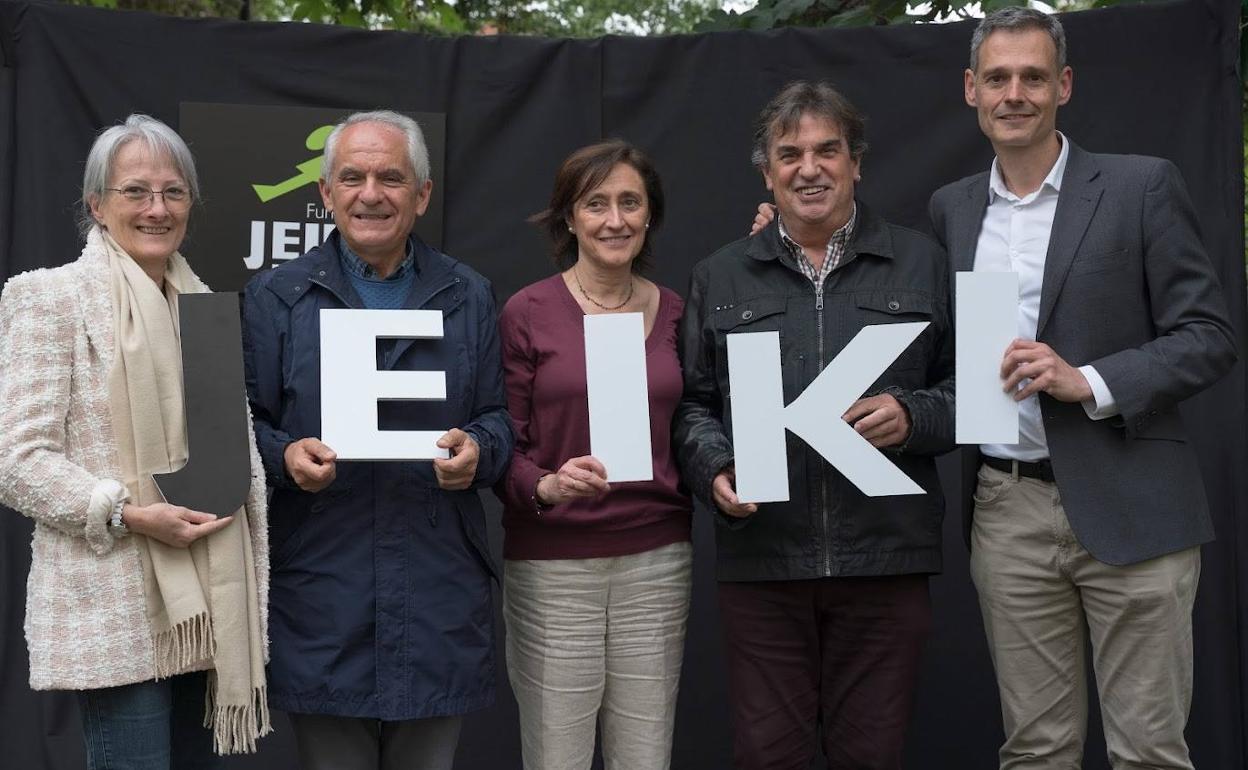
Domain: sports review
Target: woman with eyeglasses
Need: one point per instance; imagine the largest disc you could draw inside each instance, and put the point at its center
(154, 613)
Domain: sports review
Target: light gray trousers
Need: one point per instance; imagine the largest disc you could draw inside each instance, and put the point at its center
(597, 641)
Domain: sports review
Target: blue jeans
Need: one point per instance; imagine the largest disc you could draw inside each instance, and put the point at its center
(148, 726)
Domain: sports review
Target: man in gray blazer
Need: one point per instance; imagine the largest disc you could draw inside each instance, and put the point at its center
(1095, 518)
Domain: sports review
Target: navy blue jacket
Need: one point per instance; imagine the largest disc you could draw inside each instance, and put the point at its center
(380, 599)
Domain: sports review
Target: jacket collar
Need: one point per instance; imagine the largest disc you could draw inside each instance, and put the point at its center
(1076, 203)
(967, 221)
(95, 294)
(322, 266)
(870, 236)
(1081, 194)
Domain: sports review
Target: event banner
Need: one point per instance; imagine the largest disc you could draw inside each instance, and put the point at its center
(258, 171)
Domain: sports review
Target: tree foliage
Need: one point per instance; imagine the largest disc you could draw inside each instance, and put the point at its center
(770, 14)
(582, 18)
(588, 18)
(224, 9)
(552, 18)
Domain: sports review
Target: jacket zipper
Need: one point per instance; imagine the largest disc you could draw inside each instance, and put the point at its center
(823, 477)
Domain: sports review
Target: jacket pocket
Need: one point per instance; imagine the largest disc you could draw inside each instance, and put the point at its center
(763, 314)
(1110, 261)
(899, 306)
(756, 315)
(1164, 425)
(288, 529)
(895, 306)
(472, 521)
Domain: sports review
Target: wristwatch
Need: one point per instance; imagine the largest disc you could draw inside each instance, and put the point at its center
(117, 527)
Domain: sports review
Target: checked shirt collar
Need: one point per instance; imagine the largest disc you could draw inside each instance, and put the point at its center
(837, 245)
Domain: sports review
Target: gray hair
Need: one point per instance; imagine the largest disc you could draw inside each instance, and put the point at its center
(157, 137)
(785, 111)
(417, 152)
(1018, 19)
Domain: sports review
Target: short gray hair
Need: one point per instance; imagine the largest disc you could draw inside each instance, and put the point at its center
(157, 137)
(1018, 19)
(417, 152)
(785, 111)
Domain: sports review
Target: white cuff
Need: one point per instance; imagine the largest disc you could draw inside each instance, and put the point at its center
(104, 496)
(1102, 404)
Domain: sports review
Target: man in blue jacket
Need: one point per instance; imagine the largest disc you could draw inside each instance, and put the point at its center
(382, 622)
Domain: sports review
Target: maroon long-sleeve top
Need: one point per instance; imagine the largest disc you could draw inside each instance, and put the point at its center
(543, 338)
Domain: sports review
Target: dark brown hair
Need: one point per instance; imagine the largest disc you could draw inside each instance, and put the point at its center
(784, 112)
(581, 172)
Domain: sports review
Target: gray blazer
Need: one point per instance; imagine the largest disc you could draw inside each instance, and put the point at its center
(1129, 289)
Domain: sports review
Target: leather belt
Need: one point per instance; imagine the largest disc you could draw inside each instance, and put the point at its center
(1040, 469)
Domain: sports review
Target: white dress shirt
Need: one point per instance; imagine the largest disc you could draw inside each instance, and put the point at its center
(1015, 238)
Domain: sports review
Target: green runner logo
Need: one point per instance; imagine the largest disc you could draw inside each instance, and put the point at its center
(309, 170)
(266, 208)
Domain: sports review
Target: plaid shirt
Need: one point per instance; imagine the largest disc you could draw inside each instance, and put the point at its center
(831, 260)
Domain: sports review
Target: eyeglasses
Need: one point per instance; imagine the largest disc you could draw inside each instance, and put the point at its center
(175, 197)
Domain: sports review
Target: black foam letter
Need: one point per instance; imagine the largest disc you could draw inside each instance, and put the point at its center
(217, 474)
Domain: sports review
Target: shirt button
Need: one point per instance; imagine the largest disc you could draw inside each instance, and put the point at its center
(747, 315)
(894, 305)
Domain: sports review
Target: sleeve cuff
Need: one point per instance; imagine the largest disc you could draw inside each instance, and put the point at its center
(104, 495)
(903, 398)
(524, 486)
(1102, 404)
(482, 451)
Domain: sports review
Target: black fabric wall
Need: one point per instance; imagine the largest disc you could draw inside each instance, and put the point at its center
(1159, 79)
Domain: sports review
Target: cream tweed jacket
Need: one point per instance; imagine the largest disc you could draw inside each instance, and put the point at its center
(86, 625)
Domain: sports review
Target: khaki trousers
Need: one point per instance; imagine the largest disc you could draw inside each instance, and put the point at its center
(1040, 593)
(597, 641)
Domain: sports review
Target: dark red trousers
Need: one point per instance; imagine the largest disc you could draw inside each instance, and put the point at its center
(839, 655)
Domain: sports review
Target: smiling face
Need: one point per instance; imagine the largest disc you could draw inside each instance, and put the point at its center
(373, 192)
(148, 230)
(811, 174)
(1017, 88)
(609, 220)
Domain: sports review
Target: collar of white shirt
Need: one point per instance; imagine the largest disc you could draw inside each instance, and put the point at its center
(996, 183)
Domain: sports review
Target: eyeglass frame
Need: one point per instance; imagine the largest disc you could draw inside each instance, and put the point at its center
(151, 196)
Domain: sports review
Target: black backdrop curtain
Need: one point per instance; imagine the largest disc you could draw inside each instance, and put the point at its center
(1159, 79)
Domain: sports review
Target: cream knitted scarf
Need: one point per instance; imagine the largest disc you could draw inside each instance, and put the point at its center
(201, 600)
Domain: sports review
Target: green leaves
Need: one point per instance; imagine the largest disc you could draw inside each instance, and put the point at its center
(770, 14)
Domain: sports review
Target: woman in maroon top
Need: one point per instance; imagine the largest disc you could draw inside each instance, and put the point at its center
(597, 574)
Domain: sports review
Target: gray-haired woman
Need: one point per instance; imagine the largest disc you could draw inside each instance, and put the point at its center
(148, 609)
